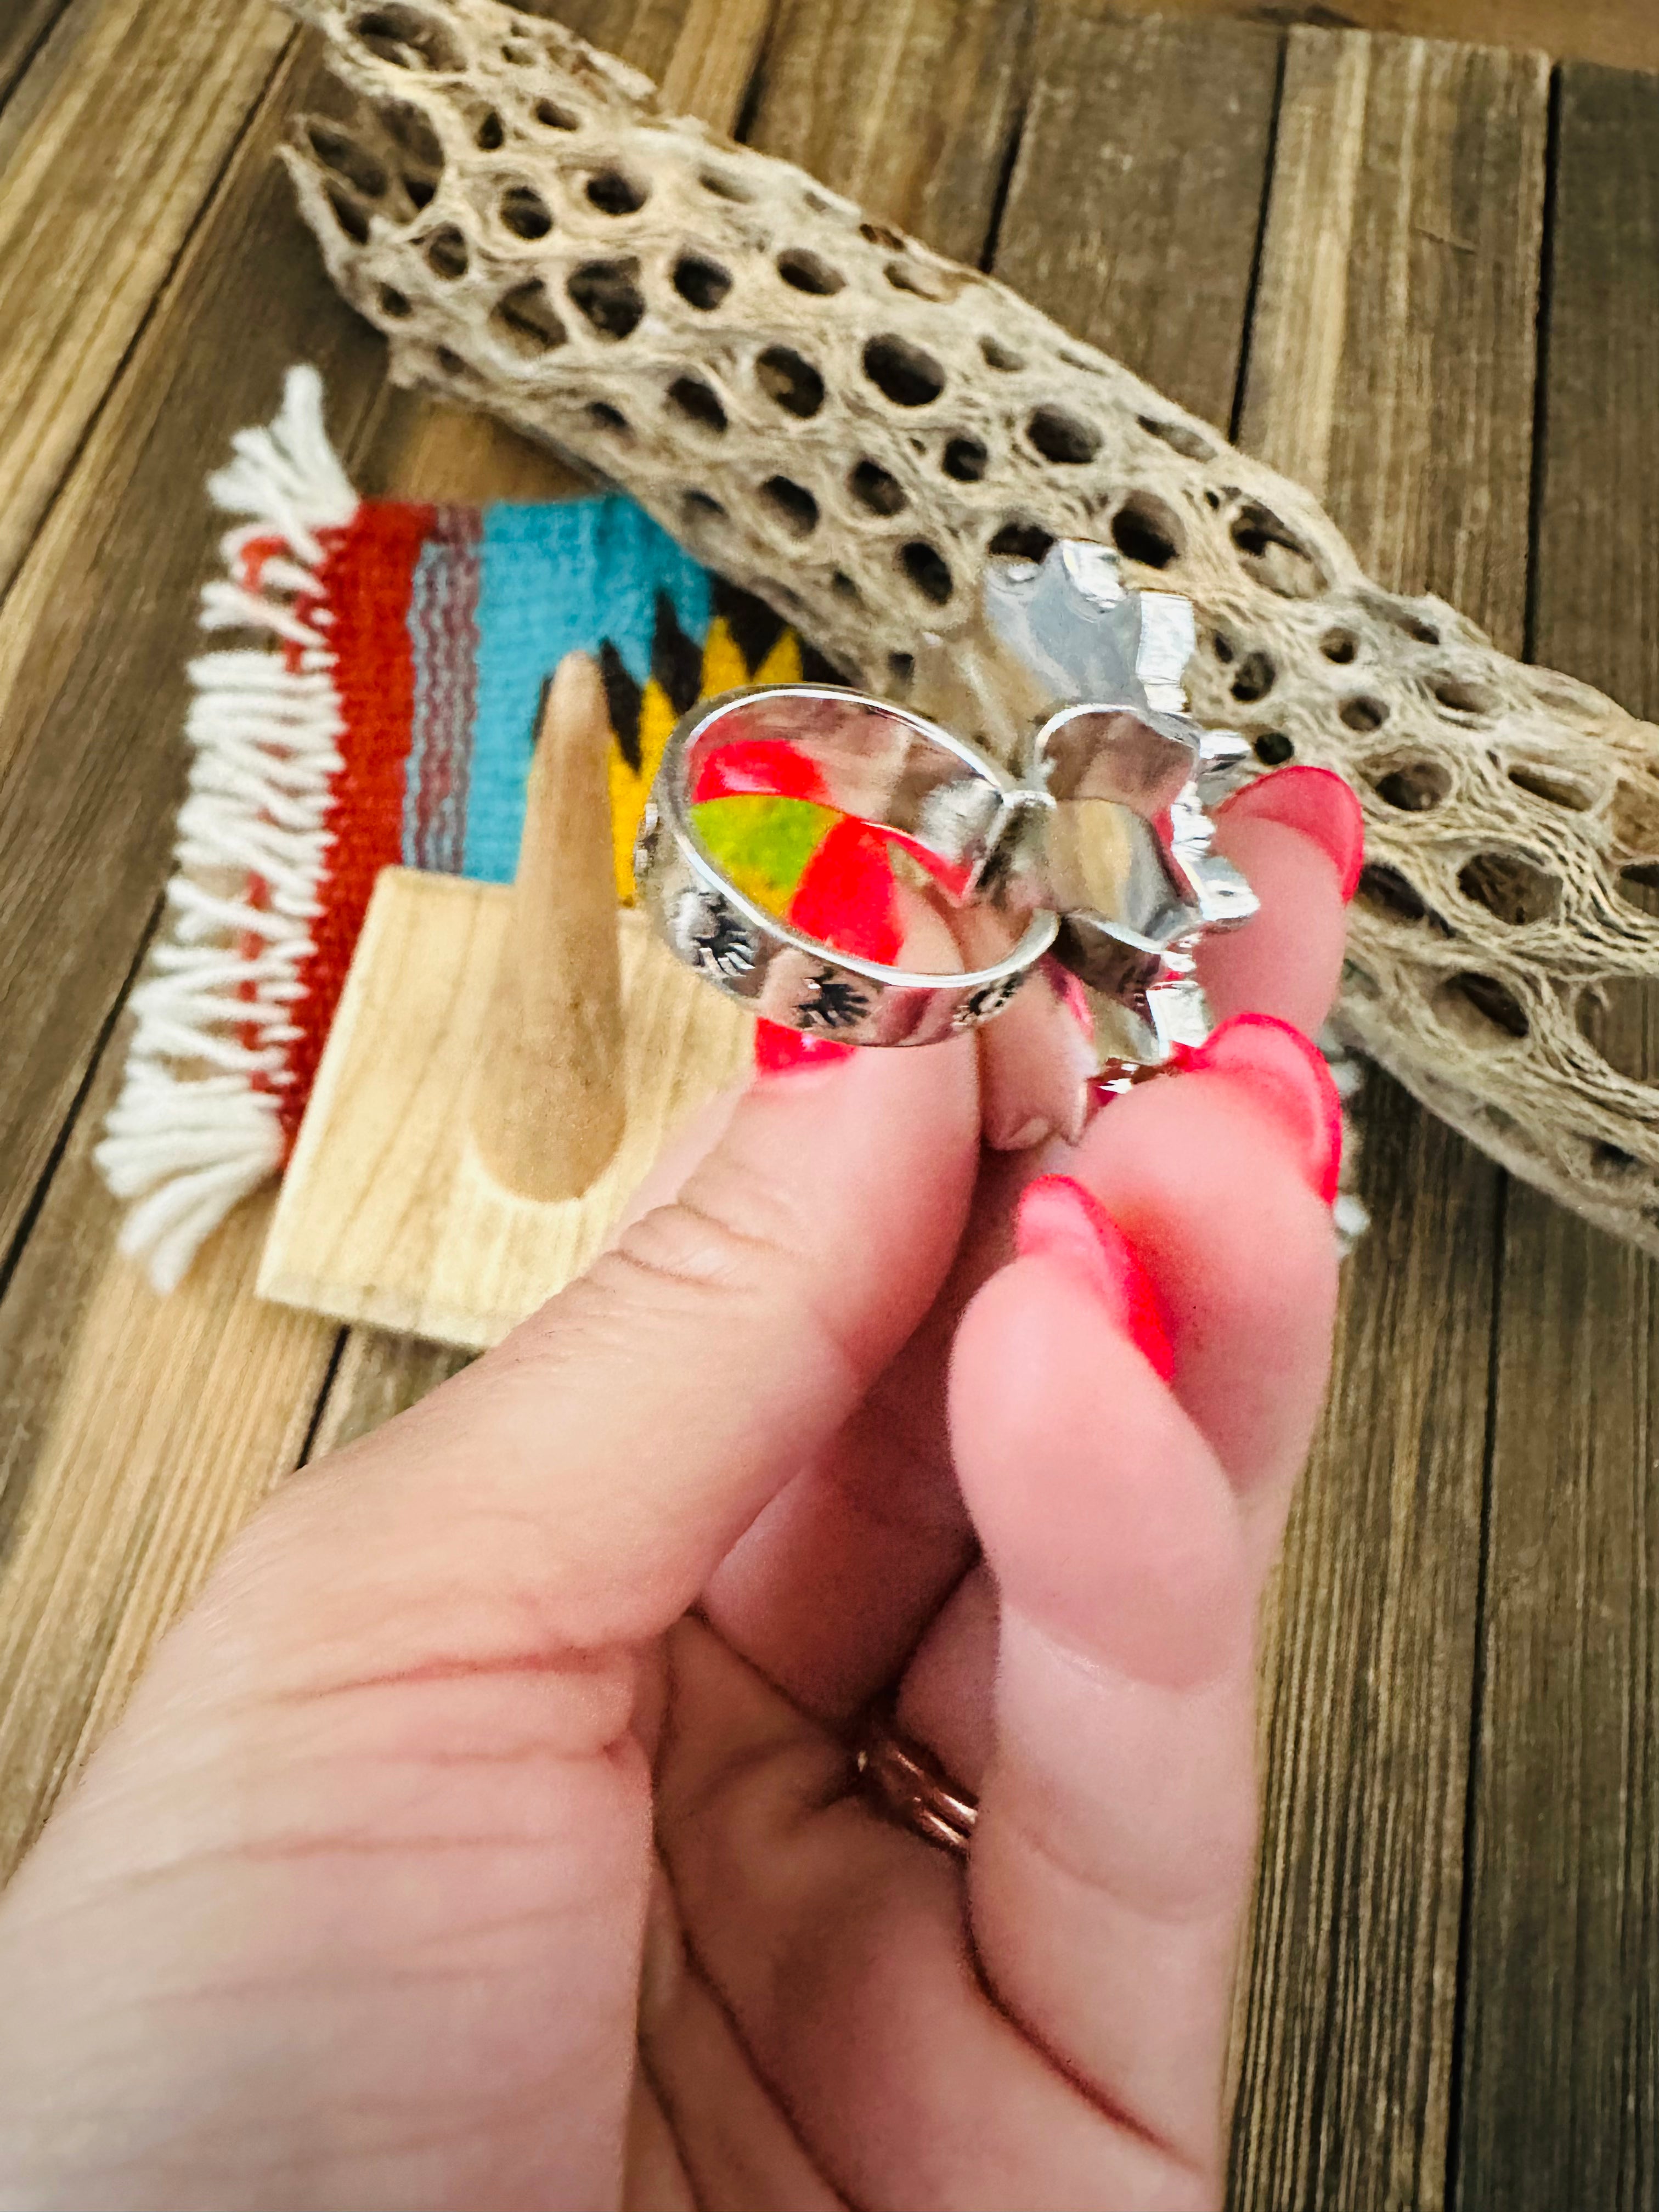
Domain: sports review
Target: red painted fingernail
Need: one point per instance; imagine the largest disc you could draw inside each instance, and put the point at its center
(1059, 1219)
(1317, 803)
(778, 1051)
(1287, 1074)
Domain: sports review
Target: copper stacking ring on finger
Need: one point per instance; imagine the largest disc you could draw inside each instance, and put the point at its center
(1079, 825)
(913, 1788)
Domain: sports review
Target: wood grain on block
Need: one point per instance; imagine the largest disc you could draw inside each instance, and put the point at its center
(1560, 2058)
(548, 1105)
(1391, 369)
(386, 1213)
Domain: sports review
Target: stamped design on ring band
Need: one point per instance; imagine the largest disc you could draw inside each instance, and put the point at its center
(1074, 821)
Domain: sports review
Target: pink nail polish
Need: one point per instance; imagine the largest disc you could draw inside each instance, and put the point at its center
(1059, 1219)
(778, 1051)
(1287, 1074)
(1316, 802)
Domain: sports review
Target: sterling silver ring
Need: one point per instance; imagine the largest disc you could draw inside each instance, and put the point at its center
(1076, 814)
(881, 765)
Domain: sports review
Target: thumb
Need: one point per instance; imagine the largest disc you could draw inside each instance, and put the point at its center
(576, 1487)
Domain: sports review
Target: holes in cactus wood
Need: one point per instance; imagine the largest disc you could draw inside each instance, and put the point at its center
(1413, 786)
(1339, 645)
(1021, 541)
(1481, 1010)
(1255, 678)
(936, 284)
(527, 317)
(350, 217)
(1180, 437)
(1384, 891)
(347, 159)
(450, 363)
(793, 504)
(552, 116)
(1273, 555)
(1548, 784)
(790, 382)
(408, 39)
(490, 134)
(1406, 620)
(446, 253)
(393, 302)
(1465, 701)
(701, 283)
(902, 372)
(1143, 529)
(698, 402)
(966, 460)
(1510, 889)
(603, 416)
(607, 294)
(901, 667)
(721, 185)
(1612, 1160)
(844, 588)
(517, 54)
(1638, 886)
(997, 356)
(1363, 714)
(876, 489)
(928, 571)
(1616, 1016)
(1272, 748)
(1064, 439)
(701, 509)
(809, 272)
(524, 212)
(614, 192)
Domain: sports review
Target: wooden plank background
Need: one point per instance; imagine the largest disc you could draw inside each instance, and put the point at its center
(1424, 279)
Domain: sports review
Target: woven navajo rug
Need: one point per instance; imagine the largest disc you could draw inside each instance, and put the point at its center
(382, 713)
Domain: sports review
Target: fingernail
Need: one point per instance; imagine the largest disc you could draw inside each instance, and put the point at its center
(1317, 803)
(1287, 1073)
(1059, 1219)
(1024, 1138)
(778, 1051)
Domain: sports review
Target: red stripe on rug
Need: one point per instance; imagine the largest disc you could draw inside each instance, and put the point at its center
(366, 571)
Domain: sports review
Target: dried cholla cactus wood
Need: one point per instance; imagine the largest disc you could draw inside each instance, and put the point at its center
(848, 425)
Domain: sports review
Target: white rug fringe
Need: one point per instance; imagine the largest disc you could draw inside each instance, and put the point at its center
(196, 1128)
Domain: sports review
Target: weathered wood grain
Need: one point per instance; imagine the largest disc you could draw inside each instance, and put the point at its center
(1623, 33)
(1561, 2075)
(163, 89)
(1136, 203)
(906, 106)
(1391, 369)
(27, 24)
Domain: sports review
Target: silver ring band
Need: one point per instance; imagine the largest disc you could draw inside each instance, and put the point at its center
(887, 767)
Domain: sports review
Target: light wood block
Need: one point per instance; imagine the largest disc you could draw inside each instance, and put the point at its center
(386, 1213)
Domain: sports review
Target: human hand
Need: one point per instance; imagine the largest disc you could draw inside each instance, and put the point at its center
(360, 1905)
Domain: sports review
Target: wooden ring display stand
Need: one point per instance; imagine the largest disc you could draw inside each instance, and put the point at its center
(503, 1068)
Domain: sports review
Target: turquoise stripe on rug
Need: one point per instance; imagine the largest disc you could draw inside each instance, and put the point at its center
(556, 579)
